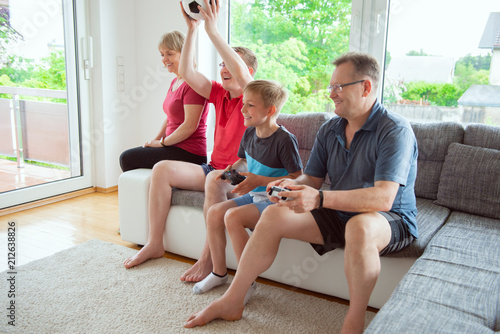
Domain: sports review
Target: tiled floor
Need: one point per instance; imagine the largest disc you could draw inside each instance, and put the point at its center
(12, 177)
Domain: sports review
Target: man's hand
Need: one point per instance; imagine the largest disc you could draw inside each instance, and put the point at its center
(211, 15)
(305, 198)
(192, 24)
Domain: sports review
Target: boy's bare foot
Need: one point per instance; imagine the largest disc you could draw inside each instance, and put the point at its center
(198, 272)
(218, 309)
(147, 252)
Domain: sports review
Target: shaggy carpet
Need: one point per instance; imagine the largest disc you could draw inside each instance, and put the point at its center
(85, 289)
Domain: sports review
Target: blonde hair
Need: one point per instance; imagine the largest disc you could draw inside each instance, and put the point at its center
(248, 57)
(271, 92)
(173, 40)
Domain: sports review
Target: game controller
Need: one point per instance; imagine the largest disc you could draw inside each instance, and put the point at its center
(233, 176)
(273, 192)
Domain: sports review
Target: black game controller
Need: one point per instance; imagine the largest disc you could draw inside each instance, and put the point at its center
(233, 176)
(273, 192)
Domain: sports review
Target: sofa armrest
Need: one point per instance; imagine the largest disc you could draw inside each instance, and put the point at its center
(133, 196)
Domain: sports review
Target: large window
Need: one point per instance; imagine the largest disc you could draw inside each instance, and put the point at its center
(442, 57)
(40, 101)
(442, 60)
(295, 42)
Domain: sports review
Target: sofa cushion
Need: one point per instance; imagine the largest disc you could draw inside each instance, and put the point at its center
(453, 287)
(188, 197)
(430, 218)
(470, 180)
(433, 141)
(482, 135)
(304, 126)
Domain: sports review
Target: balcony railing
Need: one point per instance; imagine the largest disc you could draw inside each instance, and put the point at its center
(15, 114)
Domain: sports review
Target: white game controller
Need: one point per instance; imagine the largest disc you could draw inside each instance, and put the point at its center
(273, 192)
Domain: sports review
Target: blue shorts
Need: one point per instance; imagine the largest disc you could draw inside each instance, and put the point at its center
(207, 168)
(249, 199)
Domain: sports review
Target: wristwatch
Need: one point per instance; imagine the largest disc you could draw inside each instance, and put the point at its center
(320, 199)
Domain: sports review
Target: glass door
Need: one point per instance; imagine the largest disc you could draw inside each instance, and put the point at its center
(43, 100)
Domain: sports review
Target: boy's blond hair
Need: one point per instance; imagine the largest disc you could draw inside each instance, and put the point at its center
(173, 40)
(271, 92)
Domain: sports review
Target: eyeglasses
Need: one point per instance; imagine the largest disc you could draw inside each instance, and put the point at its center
(222, 65)
(338, 88)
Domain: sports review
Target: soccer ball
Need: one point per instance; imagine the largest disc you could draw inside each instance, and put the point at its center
(191, 8)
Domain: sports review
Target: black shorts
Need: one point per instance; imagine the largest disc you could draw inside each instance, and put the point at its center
(333, 231)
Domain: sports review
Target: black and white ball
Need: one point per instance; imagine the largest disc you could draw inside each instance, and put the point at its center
(191, 8)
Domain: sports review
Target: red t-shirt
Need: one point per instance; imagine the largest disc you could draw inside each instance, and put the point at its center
(173, 106)
(229, 127)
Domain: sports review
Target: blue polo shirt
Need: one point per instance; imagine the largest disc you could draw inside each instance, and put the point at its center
(384, 149)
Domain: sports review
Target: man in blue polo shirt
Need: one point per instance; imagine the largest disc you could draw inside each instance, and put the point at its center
(370, 155)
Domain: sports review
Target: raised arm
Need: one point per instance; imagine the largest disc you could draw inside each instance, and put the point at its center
(235, 65)
(200, 84)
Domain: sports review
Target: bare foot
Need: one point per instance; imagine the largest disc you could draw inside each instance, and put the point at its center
(353, 323)
(147, 252)
(218, 309)
(198, 271)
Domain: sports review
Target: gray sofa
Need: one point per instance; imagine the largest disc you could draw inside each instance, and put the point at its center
(454, 287)
(449, 197)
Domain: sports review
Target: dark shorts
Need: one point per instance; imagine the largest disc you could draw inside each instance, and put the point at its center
(207, 168)
(333, 231)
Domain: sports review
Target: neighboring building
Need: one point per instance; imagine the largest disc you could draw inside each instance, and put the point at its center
(422, 68)
(491, 40)
(481, 104)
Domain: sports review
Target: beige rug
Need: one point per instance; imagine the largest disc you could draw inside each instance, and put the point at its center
(85, 289)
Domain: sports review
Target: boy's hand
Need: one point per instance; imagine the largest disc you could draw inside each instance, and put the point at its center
(250, 183)
(228, 168)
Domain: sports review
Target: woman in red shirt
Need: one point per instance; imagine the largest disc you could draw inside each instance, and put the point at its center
(183, 133)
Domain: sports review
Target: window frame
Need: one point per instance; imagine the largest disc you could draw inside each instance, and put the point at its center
(76, 27)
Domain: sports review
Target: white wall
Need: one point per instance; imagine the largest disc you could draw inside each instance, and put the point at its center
(131, 29)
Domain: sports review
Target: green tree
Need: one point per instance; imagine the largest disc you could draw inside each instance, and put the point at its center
(440, 94)
(467, 75)
(50, 73)
(295, 42)
(478, 62)
(417, 53)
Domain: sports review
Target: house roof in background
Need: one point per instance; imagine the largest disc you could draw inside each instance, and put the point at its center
(491, 33)
(481, 96)
(422, 68)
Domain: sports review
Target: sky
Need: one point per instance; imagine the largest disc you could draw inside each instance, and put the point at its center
(450, 28)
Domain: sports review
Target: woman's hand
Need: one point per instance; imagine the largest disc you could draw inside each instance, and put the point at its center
(153, 143)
